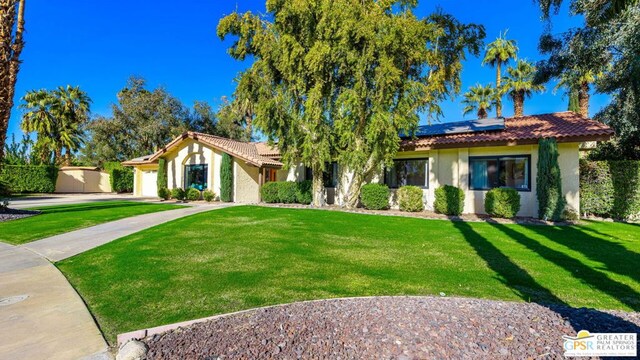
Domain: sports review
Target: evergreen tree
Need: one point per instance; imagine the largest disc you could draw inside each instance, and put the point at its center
(162, 174)
(551, 201)
(226, 178)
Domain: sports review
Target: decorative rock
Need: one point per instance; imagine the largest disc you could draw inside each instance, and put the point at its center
(132, 350)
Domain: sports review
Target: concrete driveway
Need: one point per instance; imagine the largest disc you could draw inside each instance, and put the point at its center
(65, 199)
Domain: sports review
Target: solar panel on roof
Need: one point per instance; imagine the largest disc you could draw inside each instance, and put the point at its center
(459, 127)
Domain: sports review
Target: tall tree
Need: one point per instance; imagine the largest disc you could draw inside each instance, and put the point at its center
(498, 53)
(578, 85)
(606, 44)
(520, 84)
(12, 42)
(480, 99)
(574, 104)
(333, 84)
(143, 120)
(57, 117)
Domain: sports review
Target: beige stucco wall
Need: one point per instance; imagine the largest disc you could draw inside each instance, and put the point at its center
(82, 181)
(138, 182)
(246, 180)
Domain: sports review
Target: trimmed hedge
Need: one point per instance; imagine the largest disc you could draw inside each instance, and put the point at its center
(208, 195)
(502, 202)
(410, 199)
(29, 178)
(162, 174)
(269, 192)
(449, 200)
(304, 192)
(178, 194)
(226, 178)
(121, 180)
(164, 193)
(287, 192)
(551, 202)
(193, 194)
(610, 188)
(375, 196)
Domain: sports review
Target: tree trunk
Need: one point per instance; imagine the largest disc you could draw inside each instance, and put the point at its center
(353, 192)
(583, 99)
(11, 45)
(482, 113)
(57, 155)
(498, 97)
(248, 119)
(318, 186)
(518, 103)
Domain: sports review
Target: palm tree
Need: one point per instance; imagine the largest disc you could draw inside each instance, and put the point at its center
(580, 83)
(519, 83)
(481, 99)
(496, 54)
(57, 117)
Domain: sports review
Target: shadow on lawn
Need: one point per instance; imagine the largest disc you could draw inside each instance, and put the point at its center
(528, 289)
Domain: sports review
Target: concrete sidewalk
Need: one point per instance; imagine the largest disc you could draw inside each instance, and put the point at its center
(52, 322)
(41, 315)
(63, 246)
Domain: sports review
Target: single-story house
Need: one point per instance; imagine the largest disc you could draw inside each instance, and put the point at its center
(474, 155)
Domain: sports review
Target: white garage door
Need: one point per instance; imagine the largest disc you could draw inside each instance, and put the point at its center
(149, 183)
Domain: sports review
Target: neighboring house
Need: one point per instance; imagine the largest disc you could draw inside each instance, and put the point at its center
(474, 155)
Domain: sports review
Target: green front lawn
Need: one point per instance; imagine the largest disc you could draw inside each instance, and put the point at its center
(244, 257)
(60, 219)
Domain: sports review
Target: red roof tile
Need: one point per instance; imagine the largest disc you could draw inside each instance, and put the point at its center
(564, 126)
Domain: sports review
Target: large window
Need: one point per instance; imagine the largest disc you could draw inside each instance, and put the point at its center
(408, 172)
(329, 176)
(500, 171)
(195, 176)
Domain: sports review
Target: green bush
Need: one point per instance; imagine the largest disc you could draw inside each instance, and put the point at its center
(287, 192)
(502, 202)
(625, 176)
(178, 194)
(269, 192)
(29, 178)
(410, 199)
(551, 202)
(304, 192)
(226, 178)
(4, 189)
(193, 194)
(121, 180)
(164, 193)
(449, 200)
(596, 188)
(162, 173)
(208, 195)
(375, 196)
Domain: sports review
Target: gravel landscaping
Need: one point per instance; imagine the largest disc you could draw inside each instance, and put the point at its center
(14, 214)
(389, 327)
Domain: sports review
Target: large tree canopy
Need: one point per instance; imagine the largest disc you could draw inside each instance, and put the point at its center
(605, 51)
(329, 83)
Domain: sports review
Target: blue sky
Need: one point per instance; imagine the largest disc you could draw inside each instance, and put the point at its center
(99, 44)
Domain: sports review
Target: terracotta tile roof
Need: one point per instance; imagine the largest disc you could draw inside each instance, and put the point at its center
(239, 149)
(267, 150)
(564, 126)
(139, 160)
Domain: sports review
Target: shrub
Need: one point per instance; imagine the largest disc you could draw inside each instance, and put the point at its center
(208, 195)
(449, 200)
(164, 193)
(162, 173)
(193, 194)
(375, 196)
(287, 191)
(551, 201)
(410, 199)
(178, 194)
(596, 188)
(570, 215)
(29, 178)
(304, 194)
(122, 180)
(4, 189)
(226, 178)
(625, 176)
(269, 192)
(502, 202)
